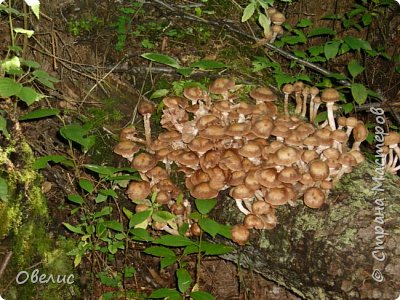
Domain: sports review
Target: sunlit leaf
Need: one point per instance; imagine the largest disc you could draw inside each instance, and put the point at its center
(40, 113)
(248, 12)
(204, 206)
(359, 93)
(162, 59)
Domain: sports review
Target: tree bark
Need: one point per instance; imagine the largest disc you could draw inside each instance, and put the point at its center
(329, 253)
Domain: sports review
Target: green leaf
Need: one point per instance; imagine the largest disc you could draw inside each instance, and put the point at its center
(293, 39)
(75, 229)
(28, 33)
(215, 249)
(164, 293)
(304, 23)
(86, 184)
(316, 50)
(3, 126)
(208, 64)
(11, 64)
(184, 279)
(40, 113)
(321, 31)
(44, 78)
(185, 71)
(348, 107)
(140, 234)
(129, 271)
(173, 241)
(77, 199)
(204, 206)
(29, 95)
(3, 190)
(225, 231)
(159, 93)
(336, 76)
(105, 211)
(354, 68)
(190, 250)
(331, 49)
(163, 216)
(322, 116)
(167, 261)
(248, 11)
(356, 43)
(102, 170)
(201, 295)
(114, 225)
(366, 19)
(139, 218)
(209, 226)
(79, 135)
(108, 192)
(42, 162)
(162, 59)
(9, 87)
(265, 23)
(281, 79)
(160, 251)
(30, 63)
(359, 93)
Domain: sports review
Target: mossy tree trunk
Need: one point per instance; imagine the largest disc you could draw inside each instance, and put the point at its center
(329, 253)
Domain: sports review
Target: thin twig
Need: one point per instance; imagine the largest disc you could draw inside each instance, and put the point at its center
(5, 263)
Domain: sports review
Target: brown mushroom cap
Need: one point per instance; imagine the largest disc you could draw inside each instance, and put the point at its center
(144, 162)
(241, 191)
(340, 136)
(238, 129)
(163, 197)
(157, 173)
(358, 156)
(206, 120)
(221, 85)
(188, 159)
(200, 145)
(309, 155)
(127, 134)
(330, 95)
(193, 93)
(286, 156)
(392, 138)
(175, 102)
(251, 149)
(138, 190)
(213, 132)
(203, 191)
(263, 94)
(278, 18)
(289, 175)
(314, 197)
(146, 107)
(262, 128)
(126, 149)
(252, 221)
(260, 207)
(277, 196)
(318, 169)
(230, 160)
(351, 122)
(360, 132)
(240, 234)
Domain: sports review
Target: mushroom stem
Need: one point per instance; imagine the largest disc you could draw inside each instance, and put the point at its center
(315, 111)
(286, 105)
(304, 109)
(239, 204)
(331, 118)
(311, 113)
(298, 103)
(147, 129)
(170, 230)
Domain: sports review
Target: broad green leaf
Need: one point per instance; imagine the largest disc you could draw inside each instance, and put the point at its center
(87, 185)
(336, 76)
(159, 93)
(356, 43)
(167, 261)
(9, 87)
(74, 229)
(3, 126)
(316, 50)
(215, 249)
(114, 225)
(3, 189)
(322, 116)
(29, 95)
(27, 32)
(108, 192)
(354, 68)
(281, 79)
(45, 79)
(359, 93)
(321, 31)
(173, 241)
(248, 12)
(105, 211)
(139, 217)
(303, 77)
(265, 23)
(162, 59)
(77, 199)
(164, 293)
(40, 113)
(30, 63)
(163, 216)
(300, 54)
(184, 279)
(293, 39)
(208, 64)
(331, 49)
(42, 162)
(140, 234)
(366, 19)
(185, 71)
(348, 107)
(304, 23)
(190, 250)
(160, 251)
(102, 170)
(34, 5)
(204, 206)
(78, 134)
(201, 295)
(209, 226)
(225, 231)
(129, 271)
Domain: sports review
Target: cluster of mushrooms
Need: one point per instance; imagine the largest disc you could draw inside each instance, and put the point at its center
(277, 18)
(265, 159)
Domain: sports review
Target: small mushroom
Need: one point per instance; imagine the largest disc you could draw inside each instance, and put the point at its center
(330, 96)
(240, 234)
(126, 149)
(314, 197)
(146, 108)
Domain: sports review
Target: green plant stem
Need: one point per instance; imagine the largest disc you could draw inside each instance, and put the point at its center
(198, 263)
(11, 27)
